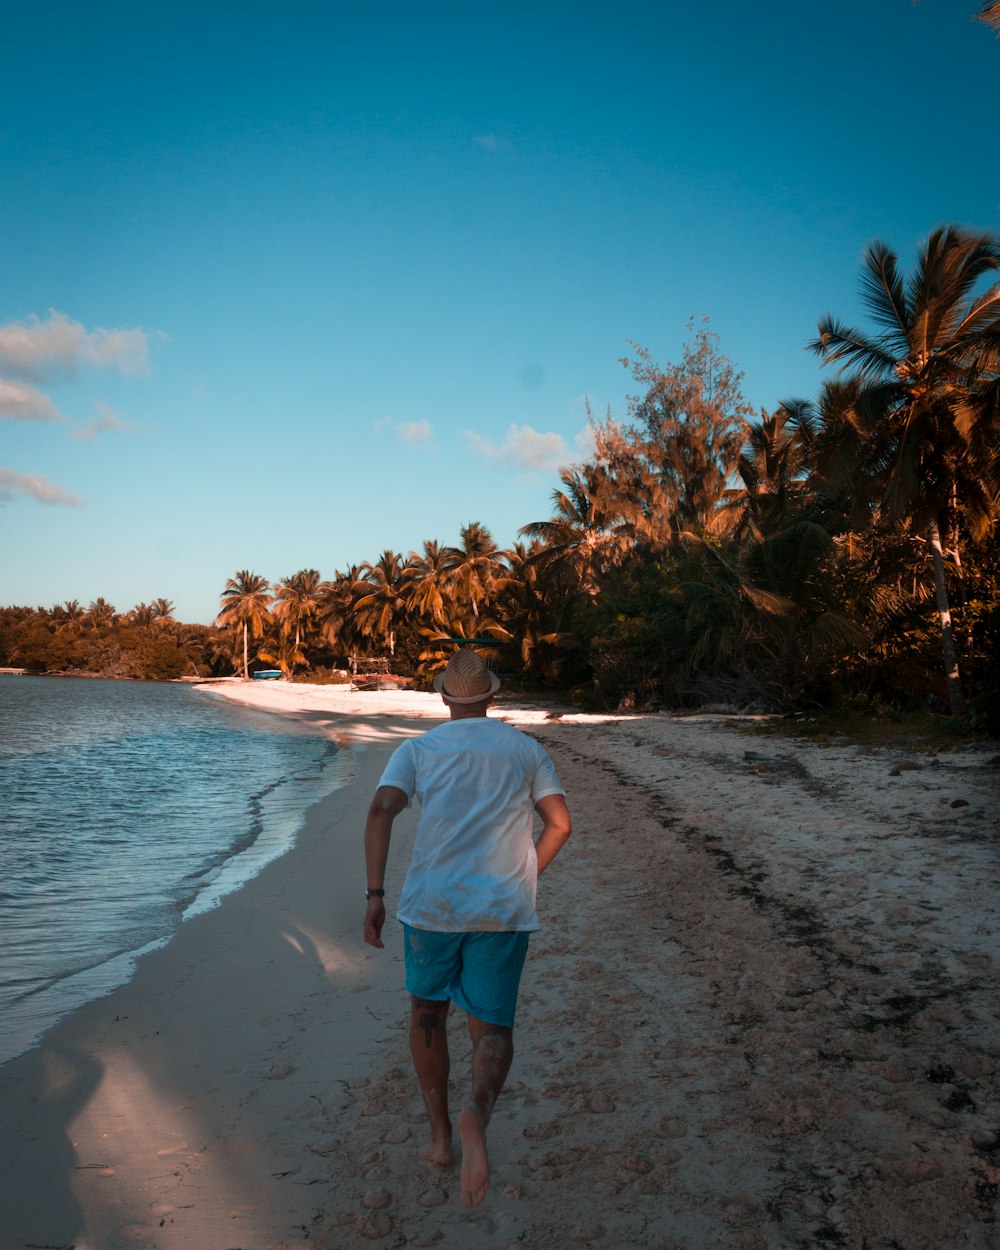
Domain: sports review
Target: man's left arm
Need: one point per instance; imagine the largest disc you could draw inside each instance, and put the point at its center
(556, 828)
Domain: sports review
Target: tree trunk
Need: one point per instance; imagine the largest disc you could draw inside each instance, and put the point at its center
(951, 673)
(246, 661)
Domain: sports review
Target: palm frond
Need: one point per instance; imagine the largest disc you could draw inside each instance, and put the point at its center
(882, 287)
(989, 14)
(984, 308)
(838, 343)
(833, 629)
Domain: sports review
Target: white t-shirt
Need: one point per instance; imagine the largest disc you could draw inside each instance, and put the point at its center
(473, 866)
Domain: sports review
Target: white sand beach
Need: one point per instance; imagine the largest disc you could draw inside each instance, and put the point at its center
(762, 1015)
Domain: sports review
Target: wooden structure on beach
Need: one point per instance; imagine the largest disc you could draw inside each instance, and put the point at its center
(371, 672)
(12, 672)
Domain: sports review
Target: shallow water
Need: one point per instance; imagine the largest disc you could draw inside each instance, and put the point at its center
(124, 808)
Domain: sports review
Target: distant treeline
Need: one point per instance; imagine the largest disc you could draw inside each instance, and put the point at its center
(145, 642)
(836, 551)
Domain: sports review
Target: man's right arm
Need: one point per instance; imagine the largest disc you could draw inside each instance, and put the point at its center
(385, 807)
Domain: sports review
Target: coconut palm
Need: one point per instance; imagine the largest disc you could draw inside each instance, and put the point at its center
(587, 534)
(100, 613)
(925, 418)
(440, 641)
(428, 582)
(284, 652)
(163, 611)
(534, 605)
(380, 604)
(245, 608)
(68, 615)
(335, 609)
(477, 571)
(296, 603)
(143, 615)
(773, 470)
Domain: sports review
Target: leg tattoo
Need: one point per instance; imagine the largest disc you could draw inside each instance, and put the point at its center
(428, 1022)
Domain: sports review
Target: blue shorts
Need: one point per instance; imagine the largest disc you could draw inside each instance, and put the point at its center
(480, 972)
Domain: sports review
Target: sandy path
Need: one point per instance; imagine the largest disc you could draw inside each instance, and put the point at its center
(762, 1015)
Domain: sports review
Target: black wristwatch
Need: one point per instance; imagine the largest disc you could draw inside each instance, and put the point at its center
(370, 893)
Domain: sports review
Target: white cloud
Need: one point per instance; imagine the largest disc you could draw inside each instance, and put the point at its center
(411, 432)
(585, 449)
(35, 487)
(414, 432)
(46, 349)
(525, 448)
(23, 403)
(108, 420)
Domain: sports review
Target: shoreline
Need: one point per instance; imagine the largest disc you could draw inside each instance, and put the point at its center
(765, 987)
(118, 1086)
(267, 836)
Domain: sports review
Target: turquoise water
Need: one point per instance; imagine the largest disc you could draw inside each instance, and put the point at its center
(126, 807)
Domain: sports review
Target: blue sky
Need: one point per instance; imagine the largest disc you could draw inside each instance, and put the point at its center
(287, 285)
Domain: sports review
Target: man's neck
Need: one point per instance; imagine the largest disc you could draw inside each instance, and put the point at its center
(468, 711)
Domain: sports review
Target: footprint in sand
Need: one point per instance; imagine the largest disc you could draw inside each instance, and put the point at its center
(433, 1197)
(671, 1126)
(637, 1164)
(541, 1132)
(279, 1072)
(396, 1136)
(377, 1224)
(600, 1103)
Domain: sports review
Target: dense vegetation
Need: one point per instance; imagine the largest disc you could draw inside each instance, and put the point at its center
(146, 642)
(837, 551)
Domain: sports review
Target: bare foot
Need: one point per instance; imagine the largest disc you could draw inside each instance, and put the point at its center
(440, 1153)
(475, 1163)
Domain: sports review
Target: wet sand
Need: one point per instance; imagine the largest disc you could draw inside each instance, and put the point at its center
(762, 1015)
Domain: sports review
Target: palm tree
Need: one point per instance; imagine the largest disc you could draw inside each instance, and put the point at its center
(163, 611)
(100, 612)
(587, 535)
(380, 604)
(773, 468)
(441, 640)
(428, 582)
(534, 605)
(69, 615)
(335, 609)
(477, 570)
(245, 607)
(284, 652)
(297, 601)
(143, 615)
(925, 419)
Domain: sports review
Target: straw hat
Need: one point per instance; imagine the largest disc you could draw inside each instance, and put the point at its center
(466, 679)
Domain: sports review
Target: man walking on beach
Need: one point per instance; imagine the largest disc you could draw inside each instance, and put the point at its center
(468, 901)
